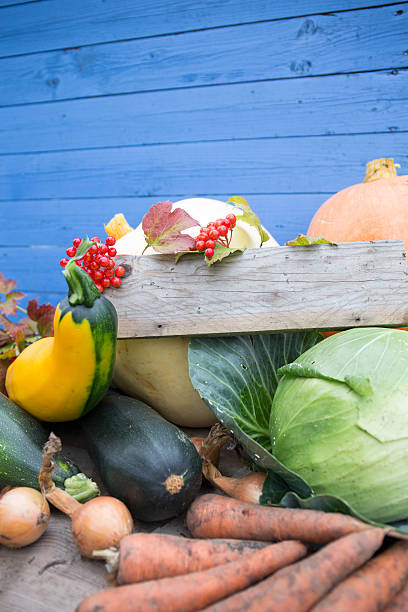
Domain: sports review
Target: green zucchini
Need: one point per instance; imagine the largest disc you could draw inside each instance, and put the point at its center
(22, 438)
(147, 462)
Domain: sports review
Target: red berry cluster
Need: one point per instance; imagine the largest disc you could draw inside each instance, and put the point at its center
(98, 262)
(216, 232)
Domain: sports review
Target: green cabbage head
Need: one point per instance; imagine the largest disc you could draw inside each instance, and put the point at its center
(339, 420)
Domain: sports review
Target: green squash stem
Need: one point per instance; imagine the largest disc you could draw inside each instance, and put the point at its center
(81, 288)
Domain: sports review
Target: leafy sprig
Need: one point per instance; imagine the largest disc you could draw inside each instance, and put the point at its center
(16, 335)
(163, 229)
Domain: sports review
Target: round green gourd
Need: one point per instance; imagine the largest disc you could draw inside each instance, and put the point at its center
(144, 460)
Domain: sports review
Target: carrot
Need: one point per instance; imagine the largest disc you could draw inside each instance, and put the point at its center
(373, 586)
(400, 602)
(197, 590)
(298, 587)
(148, 556)
(215, 516)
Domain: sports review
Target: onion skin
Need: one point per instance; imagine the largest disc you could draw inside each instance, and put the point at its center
(24, 516)
(246, 488)
(100, 523)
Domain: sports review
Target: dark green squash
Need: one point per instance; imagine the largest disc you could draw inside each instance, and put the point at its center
(22, 437)
(147, 462)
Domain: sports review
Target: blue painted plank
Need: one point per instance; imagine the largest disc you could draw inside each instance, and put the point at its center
(57, 222)
(35, 269)
(353, 41)
(340, 104)
(287, 165)
(70, 23)
(11, 3)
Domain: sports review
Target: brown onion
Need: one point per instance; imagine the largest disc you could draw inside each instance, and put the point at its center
(24, 516)
(97, 524)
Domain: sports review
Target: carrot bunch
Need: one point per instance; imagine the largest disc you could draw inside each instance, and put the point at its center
(243, 556)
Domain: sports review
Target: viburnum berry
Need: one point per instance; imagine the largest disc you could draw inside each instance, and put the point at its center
(209, 253)
(223, 231)
(210, 244)
(214, 234)
(200, 245)
(97, 262)
(116, 281)
(232, 219)
(120, 271)
(103, 249)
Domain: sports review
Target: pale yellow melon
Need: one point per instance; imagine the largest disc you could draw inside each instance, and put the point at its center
(156, 369)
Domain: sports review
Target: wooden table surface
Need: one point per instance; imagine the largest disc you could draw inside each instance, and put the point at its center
(51, 574)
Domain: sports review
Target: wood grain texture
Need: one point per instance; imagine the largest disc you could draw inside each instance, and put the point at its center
(70, 23)
(264, 290)
(304, 165)
(340, 104)
(300, 47)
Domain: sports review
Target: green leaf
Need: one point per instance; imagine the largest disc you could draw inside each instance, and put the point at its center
(220, 252)
(359, 384)
(180, 254)
(249, 216)
(8, 351)
(237, 378)
(303, 240)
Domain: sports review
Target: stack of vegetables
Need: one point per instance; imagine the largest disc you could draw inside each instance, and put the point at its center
(322, 421)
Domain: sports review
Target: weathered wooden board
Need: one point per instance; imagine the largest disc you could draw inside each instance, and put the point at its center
(69, 23)
(336, 104)
(264, 290)
(352, 41)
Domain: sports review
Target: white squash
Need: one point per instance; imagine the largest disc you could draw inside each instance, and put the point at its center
(156, 369)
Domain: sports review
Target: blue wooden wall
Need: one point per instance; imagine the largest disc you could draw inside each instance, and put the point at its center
(112, 105)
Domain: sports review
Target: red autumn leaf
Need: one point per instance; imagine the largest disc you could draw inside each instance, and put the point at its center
(43, 315)
(6, 285)
(17, 331)
(163, 228)
(9, 307)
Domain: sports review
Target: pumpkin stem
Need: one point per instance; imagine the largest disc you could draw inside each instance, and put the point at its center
(380, 168)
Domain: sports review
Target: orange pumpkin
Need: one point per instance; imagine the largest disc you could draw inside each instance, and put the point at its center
(376, 209)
